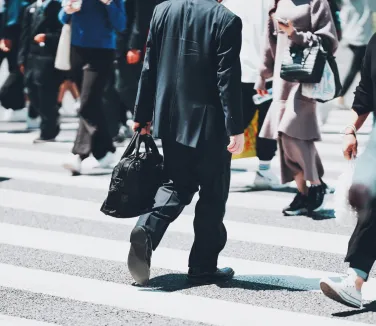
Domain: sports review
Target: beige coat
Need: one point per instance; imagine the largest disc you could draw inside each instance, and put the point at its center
(292, 113)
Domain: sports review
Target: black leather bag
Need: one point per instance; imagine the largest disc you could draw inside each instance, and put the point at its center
(12, 92)
(135, 180)
(304, 64)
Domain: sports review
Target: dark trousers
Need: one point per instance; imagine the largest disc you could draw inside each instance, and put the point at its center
(112, 101)
(265, 148)
(361, 253)
(205, 169)
(91, 69)
(356, 64)
(43, 100)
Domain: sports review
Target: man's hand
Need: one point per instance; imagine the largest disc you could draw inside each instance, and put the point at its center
(144, 131)
(22, 69)
(350, 146)
(133, 57)
(40, 38)
(5, 45)
(236, 145)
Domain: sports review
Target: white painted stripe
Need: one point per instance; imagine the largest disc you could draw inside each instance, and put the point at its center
(171, 305)
(15, 321)
(237, 179)
(171, 259)
(81, 181)
(57, 159)
(247, 232)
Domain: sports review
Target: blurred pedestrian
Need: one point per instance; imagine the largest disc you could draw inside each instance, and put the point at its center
(357, 30)
(12, 92)
(361, 254)
(292, 117)
(94, 23)
(254, 29)
(40, 35)
(121, 90)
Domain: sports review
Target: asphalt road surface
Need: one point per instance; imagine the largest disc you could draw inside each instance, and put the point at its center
(64, 263)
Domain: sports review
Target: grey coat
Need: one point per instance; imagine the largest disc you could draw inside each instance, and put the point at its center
(292, 113)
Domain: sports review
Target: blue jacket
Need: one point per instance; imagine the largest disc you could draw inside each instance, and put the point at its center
(96, 24)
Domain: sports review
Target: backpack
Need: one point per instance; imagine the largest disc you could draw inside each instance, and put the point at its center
(135, 180)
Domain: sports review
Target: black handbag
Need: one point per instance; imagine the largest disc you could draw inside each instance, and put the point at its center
(12, 92)
(304, 64)
(135, 180)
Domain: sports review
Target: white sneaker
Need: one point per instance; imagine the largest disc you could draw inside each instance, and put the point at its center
(73, 164)
(77, 106)
(32, 124)
(15, 116)
(343, 292)
(107, 161)
(266, 180)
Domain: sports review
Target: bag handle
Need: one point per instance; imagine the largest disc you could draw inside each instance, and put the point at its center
(149, 144)
(132, 144)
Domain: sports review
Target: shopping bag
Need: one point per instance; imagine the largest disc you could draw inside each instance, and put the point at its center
(62, 60)
(329, 87)
(250, 135)
(344, 213)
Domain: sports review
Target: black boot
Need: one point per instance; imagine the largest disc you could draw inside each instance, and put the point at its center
(298, 206)
(139, 257)
(316, 196)
(199, 276)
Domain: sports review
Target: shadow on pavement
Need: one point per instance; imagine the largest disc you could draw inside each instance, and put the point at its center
(370, 307)
(178, 282)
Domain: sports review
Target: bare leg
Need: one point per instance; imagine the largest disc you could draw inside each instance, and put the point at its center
(301, 183)
(72, 87)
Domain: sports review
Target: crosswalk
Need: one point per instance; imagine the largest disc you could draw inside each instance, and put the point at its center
(62, 262)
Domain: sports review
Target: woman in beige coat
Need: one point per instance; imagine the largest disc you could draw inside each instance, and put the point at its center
(292, 117)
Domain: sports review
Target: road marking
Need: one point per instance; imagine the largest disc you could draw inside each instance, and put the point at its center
(172, 305)
(166, 258)
(247, 232)
(15, 321)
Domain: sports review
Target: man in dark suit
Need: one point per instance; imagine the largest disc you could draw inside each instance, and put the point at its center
(191, 84)
(40, 35)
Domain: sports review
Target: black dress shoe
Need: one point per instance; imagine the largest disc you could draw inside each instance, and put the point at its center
(41, 140)
(140, 255)
(198, 276)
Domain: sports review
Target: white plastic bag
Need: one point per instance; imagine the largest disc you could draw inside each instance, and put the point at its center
(344, 213)
(62, 60)
(323, 91)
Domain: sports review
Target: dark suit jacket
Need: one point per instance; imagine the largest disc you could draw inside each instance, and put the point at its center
(191, 78)
(40, 60)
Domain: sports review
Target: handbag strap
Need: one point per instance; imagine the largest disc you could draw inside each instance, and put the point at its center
(149, 144)
(132, 144)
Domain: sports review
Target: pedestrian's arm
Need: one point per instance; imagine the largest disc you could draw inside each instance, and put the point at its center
(267, 64)
(364, 97)
(116, 14)
(64, 17)
(229, 43)
(25, 39)
(145, 101)
(55, 26)
(323, 27)
(143, 13)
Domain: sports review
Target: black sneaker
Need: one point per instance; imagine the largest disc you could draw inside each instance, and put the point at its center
(298, 206)
(139, 257)
(200, 277)
(316, 196)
